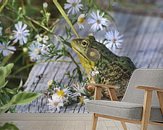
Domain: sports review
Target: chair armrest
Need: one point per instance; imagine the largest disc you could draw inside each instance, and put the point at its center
(150, 88)
(103, 86)
(99, 87)
(159, 93)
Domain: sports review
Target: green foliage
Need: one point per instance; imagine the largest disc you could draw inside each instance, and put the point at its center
(11, 97)
(4, 72)
(20, 99)
(8, 126)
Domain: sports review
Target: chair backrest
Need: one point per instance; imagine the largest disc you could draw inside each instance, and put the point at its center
(146, 77)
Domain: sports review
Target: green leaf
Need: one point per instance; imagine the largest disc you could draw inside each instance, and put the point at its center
(2, 86)
(24, 98)
(8, 69)
(11, 91)
(8, 126)
(2, 76)
(5, 107)
(20, 85)
(3, 5)
(21, 99)
(5, 60)
(4, 72)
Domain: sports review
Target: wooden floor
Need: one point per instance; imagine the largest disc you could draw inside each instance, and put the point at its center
(50, 121)
(143, 43)
(56, 121)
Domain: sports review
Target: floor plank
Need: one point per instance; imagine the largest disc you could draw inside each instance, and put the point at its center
(56, 122)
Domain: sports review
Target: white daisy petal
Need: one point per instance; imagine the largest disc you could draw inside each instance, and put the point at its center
(5, 53)
(114, 47)
(67, 6)
(109, 45)
(35, 51)
(24, 27)
(120, 40)
(6, 49)
(118, 45)
(56, 102)
(20, 25)
(70, 1)
(12, 48)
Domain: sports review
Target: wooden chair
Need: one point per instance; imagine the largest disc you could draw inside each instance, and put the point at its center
(137, 106)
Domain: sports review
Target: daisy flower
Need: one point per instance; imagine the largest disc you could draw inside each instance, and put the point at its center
(21, 33)
(97, 21)
(55, 102)
(6, 50)
(45, 49)
(39, 37)
(35, 51)
(94, 73)
(83, 100)
(113, 40)
(50, 82)
(81, 21)
(45, 39)
(42, 38)
(73, 6)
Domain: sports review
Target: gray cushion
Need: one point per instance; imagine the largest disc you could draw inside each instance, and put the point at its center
(125, 110)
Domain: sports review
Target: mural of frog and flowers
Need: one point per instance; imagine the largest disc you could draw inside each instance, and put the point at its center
(33, 37)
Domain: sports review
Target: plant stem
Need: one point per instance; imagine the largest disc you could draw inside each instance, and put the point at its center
(65, 16)
(5, 60)
(22, 68)
(37, 23)
(73, 59)
(3, 5)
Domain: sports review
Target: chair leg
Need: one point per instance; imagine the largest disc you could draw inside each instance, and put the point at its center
(124, 125)
(146, 109)
(94, 123)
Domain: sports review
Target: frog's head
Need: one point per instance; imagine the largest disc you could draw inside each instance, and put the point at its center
(86, 48)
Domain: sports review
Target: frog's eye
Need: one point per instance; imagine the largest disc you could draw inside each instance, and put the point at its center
(84, 43)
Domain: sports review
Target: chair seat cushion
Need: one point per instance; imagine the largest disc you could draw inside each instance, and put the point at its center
(131, 111)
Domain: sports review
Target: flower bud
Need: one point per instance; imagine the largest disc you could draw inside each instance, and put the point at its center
(50, 82)
(25, 50)
(45, 5)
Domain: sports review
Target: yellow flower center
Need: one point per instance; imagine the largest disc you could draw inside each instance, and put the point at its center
(74, 4)
(114, 40)
(37, 51)
(60, 93)
(81, 99)
(98, 21)
(55, 103)
(81, 19)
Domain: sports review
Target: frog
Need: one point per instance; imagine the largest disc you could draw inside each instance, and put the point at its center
(112, 69)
